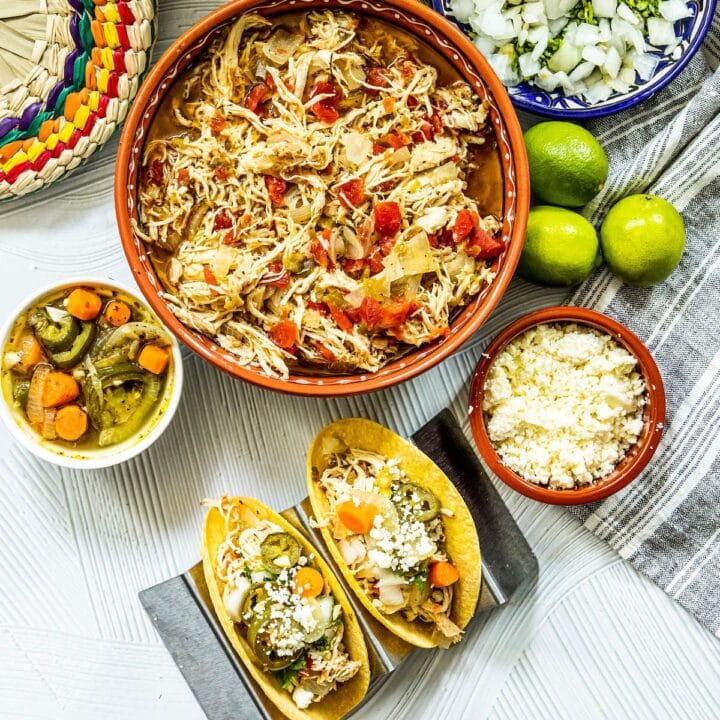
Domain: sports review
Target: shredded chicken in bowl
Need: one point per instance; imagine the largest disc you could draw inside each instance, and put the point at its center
(310, 206)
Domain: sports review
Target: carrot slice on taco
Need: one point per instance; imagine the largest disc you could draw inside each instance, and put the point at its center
(283, 611)
(398, 529)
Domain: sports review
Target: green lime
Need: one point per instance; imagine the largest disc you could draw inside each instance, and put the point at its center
(561, 247)
(568, 166)
(642, 238)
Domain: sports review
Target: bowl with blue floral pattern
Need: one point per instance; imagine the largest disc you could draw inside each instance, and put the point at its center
(599, 57)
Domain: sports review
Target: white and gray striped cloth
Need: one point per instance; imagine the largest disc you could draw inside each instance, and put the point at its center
(667, 523)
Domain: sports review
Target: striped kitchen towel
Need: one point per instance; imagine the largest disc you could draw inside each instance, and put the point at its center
(667, 523)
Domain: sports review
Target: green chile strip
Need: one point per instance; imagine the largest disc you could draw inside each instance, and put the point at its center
(277, 545)
(81, 344)
(123, 431)
(426, 507)
(55, 336)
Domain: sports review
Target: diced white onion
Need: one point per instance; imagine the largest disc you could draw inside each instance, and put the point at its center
(674, 10)
(660, 32)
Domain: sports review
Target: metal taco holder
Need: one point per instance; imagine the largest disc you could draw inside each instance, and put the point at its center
(182, 613)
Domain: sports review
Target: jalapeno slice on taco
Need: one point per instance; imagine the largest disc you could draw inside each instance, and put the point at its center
(398, 529)
(284, 613)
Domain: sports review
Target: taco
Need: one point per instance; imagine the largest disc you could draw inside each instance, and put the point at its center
(398, 529)
(283, 611)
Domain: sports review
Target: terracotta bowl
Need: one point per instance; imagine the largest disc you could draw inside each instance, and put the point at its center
(446, 39)
(636, 458)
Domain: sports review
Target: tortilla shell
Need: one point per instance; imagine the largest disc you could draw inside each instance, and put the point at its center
(347, 694)
(462, 544)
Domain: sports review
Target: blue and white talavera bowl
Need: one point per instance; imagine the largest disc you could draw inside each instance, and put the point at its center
(556, 104)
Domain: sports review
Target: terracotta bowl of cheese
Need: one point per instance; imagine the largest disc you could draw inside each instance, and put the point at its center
(635, 458)
(456, 49)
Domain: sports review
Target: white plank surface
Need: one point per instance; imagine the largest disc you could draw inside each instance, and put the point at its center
(593, 640)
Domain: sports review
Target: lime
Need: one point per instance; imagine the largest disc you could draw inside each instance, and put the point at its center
(567, 164)
(561, 247)
(642, 238)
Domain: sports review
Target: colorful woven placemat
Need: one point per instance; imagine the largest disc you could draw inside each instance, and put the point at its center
(69, 70)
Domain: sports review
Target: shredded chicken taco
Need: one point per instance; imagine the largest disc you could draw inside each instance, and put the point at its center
(305, 194)
(398, 529)
(283, 611)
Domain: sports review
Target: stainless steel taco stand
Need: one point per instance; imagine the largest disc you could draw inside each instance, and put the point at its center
(182, 613)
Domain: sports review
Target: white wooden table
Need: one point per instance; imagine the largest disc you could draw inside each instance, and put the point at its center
(593, 640)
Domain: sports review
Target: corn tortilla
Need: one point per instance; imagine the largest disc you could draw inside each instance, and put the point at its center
(462, 544)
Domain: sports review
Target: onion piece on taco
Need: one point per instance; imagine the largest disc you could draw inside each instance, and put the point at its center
(398, 529)
(283, 611)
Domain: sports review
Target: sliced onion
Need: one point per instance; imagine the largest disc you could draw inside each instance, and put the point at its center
(35, 410)
(281, 45)
(56, 314)
(48, 424)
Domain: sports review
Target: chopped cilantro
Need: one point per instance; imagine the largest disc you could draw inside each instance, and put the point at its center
(288, 674)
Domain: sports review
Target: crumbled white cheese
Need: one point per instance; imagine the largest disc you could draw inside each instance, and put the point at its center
(563, 403)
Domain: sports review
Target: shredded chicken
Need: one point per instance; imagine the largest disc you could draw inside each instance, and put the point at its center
(310, 204)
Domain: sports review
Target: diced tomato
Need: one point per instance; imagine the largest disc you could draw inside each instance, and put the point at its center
(318, 251)
(436, 122)
(353, 267)
(320, 307)
(378, 149)
(276, 188)
(157, 172)
(270, 82)
(397, 139)
(376, 77)
(343, 321)
(483, 245)
(222, 173)
(455, 158)
(442, 238)
(385, 245)
(230, 238)
(370, 312)
(256, 94)
(183, 174)
(329, 356)
(277, 276)
(408, 67)
(352, 193)
(424, 133)
(209, 275)
(412, 101)
(284, 334)
(223, 220)
(388, 218)
(326, 109)
(354, 314)
(217, 124)
(395, 313)
(374, 262)
(465, 223)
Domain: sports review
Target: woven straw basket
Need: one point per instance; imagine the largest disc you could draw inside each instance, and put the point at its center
(69, 70)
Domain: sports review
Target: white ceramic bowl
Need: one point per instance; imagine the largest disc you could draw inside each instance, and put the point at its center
(101, 457)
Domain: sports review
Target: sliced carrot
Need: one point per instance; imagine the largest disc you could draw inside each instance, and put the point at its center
(59, 388)
(71, 422)
(357, 518)
(308, 582)
(84, 304)
(443, 574)
(117, 313)
(154, 359)
(30, 352)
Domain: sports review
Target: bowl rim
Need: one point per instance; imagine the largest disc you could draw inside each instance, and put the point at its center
(404, 367)
(26, 438)
(622, 102)
(637, 456)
